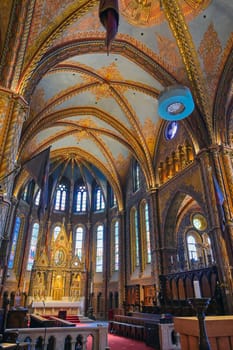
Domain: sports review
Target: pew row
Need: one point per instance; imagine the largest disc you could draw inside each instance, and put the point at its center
(140, 326)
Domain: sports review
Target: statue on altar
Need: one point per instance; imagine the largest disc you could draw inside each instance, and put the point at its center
(75, 287)
(39, 287)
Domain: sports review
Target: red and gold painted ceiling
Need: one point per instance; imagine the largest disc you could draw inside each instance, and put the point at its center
(103, 108)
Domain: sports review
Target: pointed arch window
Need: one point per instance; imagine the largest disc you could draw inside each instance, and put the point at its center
(210, 255)
(134, 239)
(33, 245)
(99, 199)
(37, 199)
(61, 196)
(14, 242)
(116, 245)
(79, 233)
(145, 232)
(99, 248)
(136, 176)
(25, 194)
(56, 232)
(192, 248)
(81, 199)
(147, 226)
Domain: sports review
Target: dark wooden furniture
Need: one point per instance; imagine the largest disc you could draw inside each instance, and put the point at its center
(177, 288)
(17, 318)
(9, 341)
(152, 334)
(37, 321)
(141, 326)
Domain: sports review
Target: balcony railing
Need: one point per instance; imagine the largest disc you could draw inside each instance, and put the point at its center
(67, 338)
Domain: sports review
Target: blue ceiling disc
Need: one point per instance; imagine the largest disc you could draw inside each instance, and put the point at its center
(175, 103)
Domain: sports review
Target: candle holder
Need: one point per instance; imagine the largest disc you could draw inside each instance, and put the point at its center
(200, 305)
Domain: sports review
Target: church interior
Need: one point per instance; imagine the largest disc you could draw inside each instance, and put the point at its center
(116, 196)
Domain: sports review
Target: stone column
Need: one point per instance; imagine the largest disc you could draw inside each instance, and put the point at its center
(122, 259)
(216, 234)
(156, 254)
(5, 235)
(226, 158)
(13, 112)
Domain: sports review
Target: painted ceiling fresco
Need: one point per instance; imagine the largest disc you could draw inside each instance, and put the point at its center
(104, 107)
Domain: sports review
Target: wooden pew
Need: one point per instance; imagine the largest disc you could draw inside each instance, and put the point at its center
(134, 326)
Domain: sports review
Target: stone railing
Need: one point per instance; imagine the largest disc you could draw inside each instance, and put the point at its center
(56, 338)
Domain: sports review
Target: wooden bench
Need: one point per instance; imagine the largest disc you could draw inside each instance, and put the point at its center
(38, 321)
(133, 326)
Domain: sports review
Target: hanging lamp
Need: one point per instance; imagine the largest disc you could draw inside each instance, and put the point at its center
(175, 103)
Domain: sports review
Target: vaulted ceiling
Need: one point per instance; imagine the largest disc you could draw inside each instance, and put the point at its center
(102, 109)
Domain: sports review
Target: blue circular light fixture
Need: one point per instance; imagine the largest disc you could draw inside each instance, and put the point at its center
(175, 103)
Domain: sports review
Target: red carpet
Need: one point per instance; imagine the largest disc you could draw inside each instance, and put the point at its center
(120, 343)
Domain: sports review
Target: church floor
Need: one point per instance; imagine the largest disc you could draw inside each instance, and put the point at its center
(121, 343)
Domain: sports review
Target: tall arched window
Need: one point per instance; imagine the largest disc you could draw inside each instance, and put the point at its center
(81, 199)
(79, 233)
(210, 257)
(37, 199)
(99, 248)
(116, 245)
(25, 193)
(60, 199)
(136, 176)
(145, 233)
(14, 242)
(56, 232)
(99, 199)
(113, 201)
(192, 249)
(134, 239)
(33, 245)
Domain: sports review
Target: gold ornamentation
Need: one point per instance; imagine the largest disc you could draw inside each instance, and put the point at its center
(210, 50)
(184, 41)
(52, 32)
(149, 12)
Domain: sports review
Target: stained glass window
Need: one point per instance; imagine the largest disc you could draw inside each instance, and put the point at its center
(192, 250)
(147, 227)
(136, 176)
(116, 245)
(79, 242)
(99, 204)
(37, 199)
(61, 194)
(81, 199)
(56, 232)
(33, 245)
(14, 242)
(99, 248)
(171, 130)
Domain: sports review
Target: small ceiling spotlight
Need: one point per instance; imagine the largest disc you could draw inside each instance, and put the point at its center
(175, 103)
